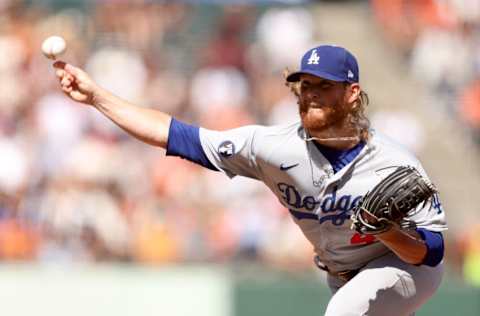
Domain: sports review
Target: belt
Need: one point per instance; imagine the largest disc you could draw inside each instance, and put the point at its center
(345, 275)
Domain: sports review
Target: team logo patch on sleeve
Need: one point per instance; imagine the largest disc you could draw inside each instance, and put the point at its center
(226, 149)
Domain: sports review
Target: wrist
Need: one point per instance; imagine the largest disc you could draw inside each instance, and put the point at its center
(100, 98)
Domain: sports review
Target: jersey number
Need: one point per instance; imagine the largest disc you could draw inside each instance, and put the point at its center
(358, 238)
(436, 204)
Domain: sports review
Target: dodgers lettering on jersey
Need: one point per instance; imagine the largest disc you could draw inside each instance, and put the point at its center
(319, 200)
(329, 204)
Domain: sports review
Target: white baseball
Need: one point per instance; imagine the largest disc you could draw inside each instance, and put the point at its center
(53, 46)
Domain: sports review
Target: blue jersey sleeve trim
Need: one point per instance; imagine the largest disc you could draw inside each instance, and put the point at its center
(184, 141)
(435, 246)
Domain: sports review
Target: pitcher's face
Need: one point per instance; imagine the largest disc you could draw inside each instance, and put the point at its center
(323, 102)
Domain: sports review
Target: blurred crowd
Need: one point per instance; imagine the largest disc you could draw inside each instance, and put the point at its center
(440, 40)
(76, 188)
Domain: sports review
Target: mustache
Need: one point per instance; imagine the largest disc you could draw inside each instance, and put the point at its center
(305, 105)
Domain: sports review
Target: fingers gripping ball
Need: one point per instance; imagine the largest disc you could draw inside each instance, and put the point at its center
(75, 83)
(391, 200)
(53, 46)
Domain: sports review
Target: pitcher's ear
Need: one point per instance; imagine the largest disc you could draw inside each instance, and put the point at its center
(354, 93)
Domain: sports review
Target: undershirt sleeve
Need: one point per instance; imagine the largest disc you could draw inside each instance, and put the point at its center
(435, 246)
(184, 141)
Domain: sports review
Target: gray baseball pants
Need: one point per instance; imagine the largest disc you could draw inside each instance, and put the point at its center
(385, 286)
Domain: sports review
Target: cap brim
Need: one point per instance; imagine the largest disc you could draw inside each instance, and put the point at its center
(295, 76)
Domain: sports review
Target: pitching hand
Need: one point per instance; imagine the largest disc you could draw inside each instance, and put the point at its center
(76, 83)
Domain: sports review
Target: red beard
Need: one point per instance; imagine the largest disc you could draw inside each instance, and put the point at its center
(318, 118)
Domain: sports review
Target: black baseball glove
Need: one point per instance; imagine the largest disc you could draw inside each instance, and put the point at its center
(395, 197)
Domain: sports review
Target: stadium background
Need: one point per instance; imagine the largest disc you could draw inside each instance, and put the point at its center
(94, 222)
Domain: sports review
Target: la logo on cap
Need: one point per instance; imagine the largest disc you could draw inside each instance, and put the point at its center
(329, 62)
(314, 58)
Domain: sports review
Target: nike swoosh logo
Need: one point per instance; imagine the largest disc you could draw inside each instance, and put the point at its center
(284, 168)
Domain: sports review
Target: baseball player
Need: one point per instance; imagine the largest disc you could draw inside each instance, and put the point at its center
(319, 168)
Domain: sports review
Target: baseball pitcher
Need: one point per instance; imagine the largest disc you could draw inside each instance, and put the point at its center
(364, 202)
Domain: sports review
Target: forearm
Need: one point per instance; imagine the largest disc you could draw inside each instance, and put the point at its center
(149, 125)
(408, 246)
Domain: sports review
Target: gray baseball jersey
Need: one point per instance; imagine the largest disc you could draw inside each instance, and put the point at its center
(319, 200)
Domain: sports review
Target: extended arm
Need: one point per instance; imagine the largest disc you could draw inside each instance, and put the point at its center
(150, 126)
(160, 129)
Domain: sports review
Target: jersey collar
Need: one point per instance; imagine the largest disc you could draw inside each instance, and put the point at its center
(340, 158)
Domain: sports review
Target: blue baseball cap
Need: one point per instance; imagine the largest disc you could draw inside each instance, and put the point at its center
(330, 62)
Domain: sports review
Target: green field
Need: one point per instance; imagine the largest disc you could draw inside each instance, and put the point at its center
(185, 290)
